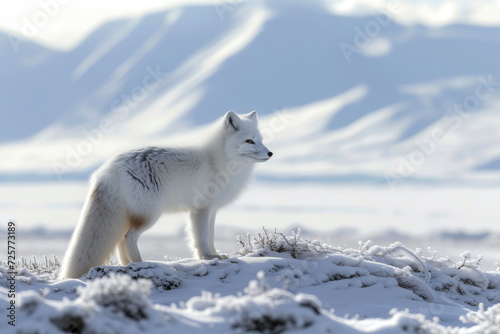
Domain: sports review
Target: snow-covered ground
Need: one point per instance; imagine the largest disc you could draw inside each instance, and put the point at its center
(273, 284)
(412, 209)
(449, 219)
(383, 117)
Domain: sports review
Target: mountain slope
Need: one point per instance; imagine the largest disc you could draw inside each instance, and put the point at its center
(161, 76)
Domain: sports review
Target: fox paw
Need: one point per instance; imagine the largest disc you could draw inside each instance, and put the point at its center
(211, 257)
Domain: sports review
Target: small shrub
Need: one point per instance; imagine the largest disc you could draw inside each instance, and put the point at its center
(119, 294)
(162, 277)
(263, 243)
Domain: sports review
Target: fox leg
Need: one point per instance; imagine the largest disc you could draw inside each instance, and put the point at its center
(200, 230)
(122, 253)
(130, 243)
(127, 249)
(212, 237)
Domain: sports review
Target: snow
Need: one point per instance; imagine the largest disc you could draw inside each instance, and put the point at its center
(81, 19)
(396, 143)
(265, 55)
(273, 284)
(371, 208)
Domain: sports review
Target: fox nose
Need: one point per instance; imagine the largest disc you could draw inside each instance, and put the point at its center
(270, 154)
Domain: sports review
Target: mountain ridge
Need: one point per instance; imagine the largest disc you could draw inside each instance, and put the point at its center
(271, 58)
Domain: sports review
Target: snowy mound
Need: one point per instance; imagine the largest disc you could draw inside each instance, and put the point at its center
(301, 285)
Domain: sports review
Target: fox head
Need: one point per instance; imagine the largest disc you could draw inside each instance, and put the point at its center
(243, 139)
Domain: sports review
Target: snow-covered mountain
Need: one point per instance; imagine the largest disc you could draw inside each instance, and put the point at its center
(340, 97)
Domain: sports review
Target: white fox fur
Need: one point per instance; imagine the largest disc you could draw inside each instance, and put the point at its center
(130, 192)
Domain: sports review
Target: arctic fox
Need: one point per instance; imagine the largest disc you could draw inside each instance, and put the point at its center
(130, 192)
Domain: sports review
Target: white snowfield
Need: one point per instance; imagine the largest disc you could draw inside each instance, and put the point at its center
(273, 284)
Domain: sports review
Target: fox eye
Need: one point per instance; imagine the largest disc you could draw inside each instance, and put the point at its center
(250, 141)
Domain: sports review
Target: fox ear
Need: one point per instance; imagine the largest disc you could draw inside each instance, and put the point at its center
(252, 115)
(232, 121)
